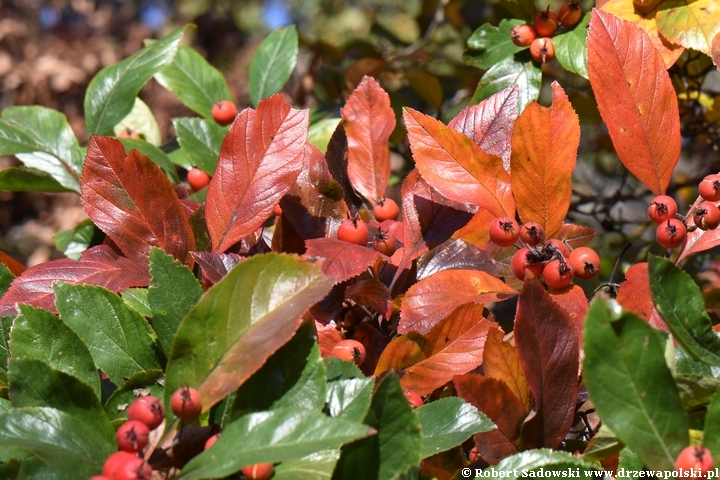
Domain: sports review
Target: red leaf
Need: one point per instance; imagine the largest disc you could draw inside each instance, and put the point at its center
(544, 151)
(636, 99)
(698, 240)
(216, 265)
(428, 217)
(369, 120)
(548, 347)
(259, 161)
(374, 343)
(328, 336)
(457, 344)
(490, 123)
(99, 266)
(457, 168)
(575, 235)
(457, 254)
(343, 260)
(574, 301)
(434, 298)
(635, 295)
(372, 294)
(500, 360)
(15, 267)
(715, 50)
(494, 398)
(132, 201)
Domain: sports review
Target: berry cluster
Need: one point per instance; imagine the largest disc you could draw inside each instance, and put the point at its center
(673, 228)
(552, 260)
(537, 36)
(355, 230)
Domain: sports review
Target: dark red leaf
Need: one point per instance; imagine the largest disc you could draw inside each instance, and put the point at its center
(337, 162)
(216, 265)
(635, 296)
(434, 298)
(371, 294)
(457, 168)
(636, 99)
(574, 301)
(343, 260)
(259, 161)
(490, 123)
(374, 343)
(457, 254)
(369, 120)
(130, 199)
(99, 265)
(494, 398)
(500, 360)
(445, 465)
(544, 151)
(548, 347)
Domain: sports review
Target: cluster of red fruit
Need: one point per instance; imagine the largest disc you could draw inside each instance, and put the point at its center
(537, 36)
(145, 414)
(552, 260)
(672, 230)
(696, 459)
(355, 230)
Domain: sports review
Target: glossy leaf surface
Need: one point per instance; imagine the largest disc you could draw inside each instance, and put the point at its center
(349, 398)
(448, 422)
(273, 63)
(201, 139)
(494, 44)
(506, 74)
(570, 47)
(544, 460)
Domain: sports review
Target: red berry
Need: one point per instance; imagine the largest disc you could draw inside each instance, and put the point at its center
(709, 188)
(546, 22)
(350, 351)
(260, 471)
(384, 243)
(129, 133)
(570, 14)
(523, 35)
(414, 399)
(707, 216)
(661, 208)
(474, 454)
(694, 458)
(113, 462)
(386, 209)
(671, 233)
(132, 436)
(522, 260)
(557, 274)
(197, 179)
(185, 403)
(353, 230)
(224, 112)
(211, 441)
(504, 231)
(148, 410)
(532, 234)
(542, 50)
(137, 469)
(585, 262)
(560, 246)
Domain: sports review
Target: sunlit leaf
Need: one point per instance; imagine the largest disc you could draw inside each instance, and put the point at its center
(543, 462)
(448, 422)
(201, 139)
(692, 24)
(508, 73)
(500, 360)
(273, 63)
(494, 44)
(635, 296)
(570, 48)
(343, 260)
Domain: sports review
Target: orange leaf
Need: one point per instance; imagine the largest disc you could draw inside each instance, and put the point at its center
(575, 235)
(544, 151)
(15, 267)
(636, 99)
(369, 120)
(259, 161)
(435, 297)
(477, 230)
(328, 336)
(698, 240)
(635, 295)
(715, 50)
(500, 360)
(402, 352)
(457, 168)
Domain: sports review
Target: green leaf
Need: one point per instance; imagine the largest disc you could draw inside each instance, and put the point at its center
(23, 179)
(685, 364)
(448, 422)
(56, 438)
(603, 445)
(680, 303)
(398, 444)
(527, 76)
(201, 140)
(629, 461)
(160, 158)
(52, 166)
(74, 241)
(111, 93)
(34, 383)
(696, 390)
(320, 132)
(315, 466)
(196, 83)
(524, 9)
(292, 376)
(336, 369)
(350, 398)
(6, 279)
(711, 437)
(548, 460)
(631, 385)
(494, 42)
(173, 291)
(273, 63)
(570, 49)
(5, 329)
(142, 121)
(137, 299)
(275, 436)
(144, 383)
(241, 321)
(40, 335)
(40, 129)
(120, 339)
(32, 468)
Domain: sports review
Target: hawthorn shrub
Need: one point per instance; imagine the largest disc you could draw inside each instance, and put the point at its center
(235, 307)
